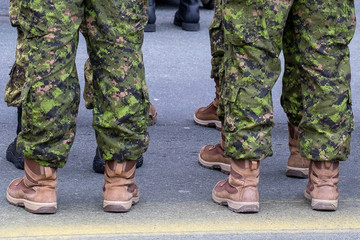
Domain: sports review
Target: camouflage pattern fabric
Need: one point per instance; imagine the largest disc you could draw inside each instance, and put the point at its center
(18, 70)
(216, 33)
(50, 97)
(316, 93)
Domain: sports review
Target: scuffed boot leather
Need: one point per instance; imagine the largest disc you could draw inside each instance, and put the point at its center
(36, 191)
(120, 190)
(239, 192)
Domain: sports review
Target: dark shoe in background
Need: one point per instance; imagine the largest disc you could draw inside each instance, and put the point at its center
(188, 15)
(13, 156)
(150, 26)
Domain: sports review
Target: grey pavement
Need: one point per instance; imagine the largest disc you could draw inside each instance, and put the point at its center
(175, 191)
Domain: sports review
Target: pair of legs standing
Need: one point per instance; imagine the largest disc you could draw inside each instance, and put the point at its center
(50, 97)
(316, 92)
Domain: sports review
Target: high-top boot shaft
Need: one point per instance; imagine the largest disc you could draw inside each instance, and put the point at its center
(298, 166)
(322, 188)
(151, 27)
(120, 190)
(207, 116)
(151, 12)
(244, 176)
(240, 190)
(188, 15)
(36, 191)
(19, 113)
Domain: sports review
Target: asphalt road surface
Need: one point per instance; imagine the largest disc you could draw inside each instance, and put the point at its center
(175, 200)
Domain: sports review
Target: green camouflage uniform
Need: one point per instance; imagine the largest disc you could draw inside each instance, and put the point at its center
(18, 70)
(216, 33)
(50, 97)
(314, 36)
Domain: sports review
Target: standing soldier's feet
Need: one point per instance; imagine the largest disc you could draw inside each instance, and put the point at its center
(298, 166)
(120, 190)
(212, 156)
(321, 188)
(239, 192)
(36, 191)
(207, 116)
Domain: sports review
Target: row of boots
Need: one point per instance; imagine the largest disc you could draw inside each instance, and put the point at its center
(36, 191)
(240, 192)
(187, 16)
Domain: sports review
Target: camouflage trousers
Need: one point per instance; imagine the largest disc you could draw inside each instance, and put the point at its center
(18, 70)
(50, 96)
(314, 36)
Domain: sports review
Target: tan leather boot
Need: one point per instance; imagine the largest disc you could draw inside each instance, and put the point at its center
(36, 191)
(207, 116)
(321, 188)
(152, 115)
(239, 192)
(212, 156)
(120, 190)
(298, 166)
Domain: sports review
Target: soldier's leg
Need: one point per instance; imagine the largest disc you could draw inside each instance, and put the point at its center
(207, 116)
(291, 100)
(212, 156)
(121, 101)
(16, 82)
(49, 101)
(88, 95)
(253, 32)
(324, 30)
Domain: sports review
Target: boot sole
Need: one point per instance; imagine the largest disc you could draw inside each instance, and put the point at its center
(297, 172)
(320, 204)
(225, 168)
(33, 207)
(208, 123)
(119, 206)
(238, 207)
(187, 26)
(150, 27)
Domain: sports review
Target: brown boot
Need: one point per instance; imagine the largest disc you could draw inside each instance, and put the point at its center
(120, 190)
(239, 192)
(36, 191)
(152, 115)
(207, 116)
(322, 188)
(298, 166)
(213, 157)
